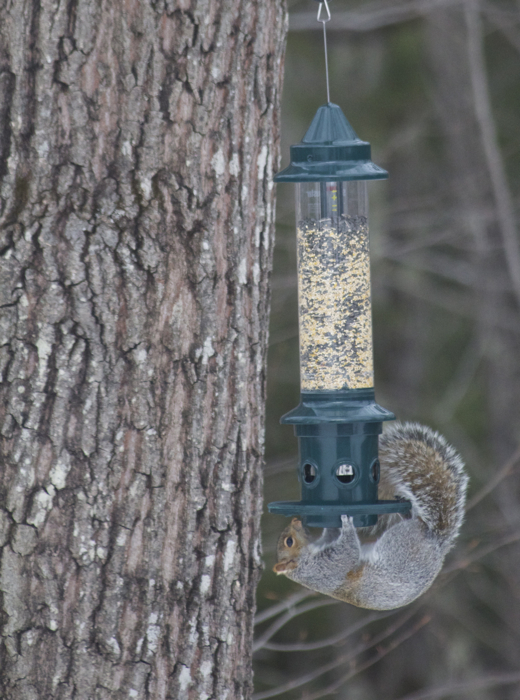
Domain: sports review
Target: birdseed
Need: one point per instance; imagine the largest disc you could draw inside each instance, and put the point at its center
(334, 304)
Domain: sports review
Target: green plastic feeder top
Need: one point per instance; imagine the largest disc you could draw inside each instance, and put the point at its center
(330, 151)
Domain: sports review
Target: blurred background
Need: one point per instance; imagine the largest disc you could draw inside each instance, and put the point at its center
(435, 87)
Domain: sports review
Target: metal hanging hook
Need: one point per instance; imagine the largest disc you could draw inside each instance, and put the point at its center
(320, 9)
(324, 20)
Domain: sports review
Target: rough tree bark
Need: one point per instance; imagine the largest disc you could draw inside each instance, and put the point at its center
(138, 141)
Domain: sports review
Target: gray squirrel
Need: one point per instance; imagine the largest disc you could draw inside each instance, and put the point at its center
(416, 464)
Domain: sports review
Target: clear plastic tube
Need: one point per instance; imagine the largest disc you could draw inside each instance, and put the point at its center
(334, 286)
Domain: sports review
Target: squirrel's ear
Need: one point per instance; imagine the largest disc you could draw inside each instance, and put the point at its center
(284, 566)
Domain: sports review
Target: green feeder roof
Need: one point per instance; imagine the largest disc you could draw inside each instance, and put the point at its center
(330, 151)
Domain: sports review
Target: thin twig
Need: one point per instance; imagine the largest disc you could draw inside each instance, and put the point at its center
(460, 303)
(278, 466)
(442, 266)
(287, 604)
(489, 681)
(460, 383)
(377, 16)
(504, 472)
(284, 619)
(362, 667)
(483, 552)
(484, 114)
(345, 658)
(505, 22)
(334, 639)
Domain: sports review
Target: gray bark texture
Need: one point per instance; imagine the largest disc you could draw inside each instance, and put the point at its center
(138, 142)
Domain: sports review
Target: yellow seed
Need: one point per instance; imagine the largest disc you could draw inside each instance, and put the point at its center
(334, 302)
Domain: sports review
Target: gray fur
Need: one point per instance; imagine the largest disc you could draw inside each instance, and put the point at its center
(403, 563)
(324, 567)
(443, 516)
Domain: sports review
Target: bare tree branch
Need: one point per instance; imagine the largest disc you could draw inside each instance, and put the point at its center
(504, 21)
(491, 680)
(287, 604)
(282, 336)
(378, 15)
(381, 652)
(480, 553)
(332, 640)
(460, 303)
(345, 658)
(441, 265)
(505, 471)
(284, 619)
(484, 115)
(279, 466)
(460, 383)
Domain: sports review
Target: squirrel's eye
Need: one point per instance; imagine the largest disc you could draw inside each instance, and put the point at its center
(289, 541)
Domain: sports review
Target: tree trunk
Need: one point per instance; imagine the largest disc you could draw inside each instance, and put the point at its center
(137, 146)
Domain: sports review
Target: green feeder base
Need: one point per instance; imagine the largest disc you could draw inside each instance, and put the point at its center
(329, 514)
(338, 467)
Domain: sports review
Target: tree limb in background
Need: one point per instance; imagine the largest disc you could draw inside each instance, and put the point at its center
(376, 16)
(491, 150)
(491, 680)
(349, 657)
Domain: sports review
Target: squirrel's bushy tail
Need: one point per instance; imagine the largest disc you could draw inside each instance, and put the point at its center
(422, 467)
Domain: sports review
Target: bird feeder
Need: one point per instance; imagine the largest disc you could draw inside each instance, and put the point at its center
(338, 421)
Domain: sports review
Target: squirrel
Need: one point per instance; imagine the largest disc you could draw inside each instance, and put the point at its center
(417, 464)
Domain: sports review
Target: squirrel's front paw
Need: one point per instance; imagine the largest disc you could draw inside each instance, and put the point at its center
(347, 522)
